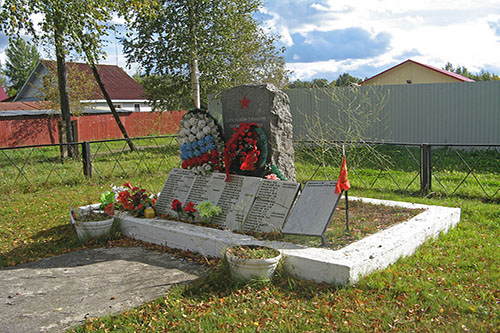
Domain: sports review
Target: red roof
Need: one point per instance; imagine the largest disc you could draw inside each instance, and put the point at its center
(439, 70)
(117, 82)
(12, 106)
(3, 95)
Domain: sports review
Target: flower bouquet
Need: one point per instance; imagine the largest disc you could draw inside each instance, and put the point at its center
(135, 200)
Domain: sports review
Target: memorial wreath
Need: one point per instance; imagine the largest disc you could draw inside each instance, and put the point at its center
(201, 142)
(246, 153)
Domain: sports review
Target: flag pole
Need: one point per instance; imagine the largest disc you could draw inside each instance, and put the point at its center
(346, 199)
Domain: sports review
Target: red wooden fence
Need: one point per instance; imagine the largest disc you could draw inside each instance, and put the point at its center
(42, 129)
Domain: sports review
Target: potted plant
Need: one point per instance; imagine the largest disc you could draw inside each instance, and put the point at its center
(252, 261)
(92, 224)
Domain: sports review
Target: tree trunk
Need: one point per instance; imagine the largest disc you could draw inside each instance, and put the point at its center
(111, 106)
(195, 84)
(63, 92)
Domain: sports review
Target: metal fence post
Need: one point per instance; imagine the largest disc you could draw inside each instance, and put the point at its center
(86, 159)
(425, 168)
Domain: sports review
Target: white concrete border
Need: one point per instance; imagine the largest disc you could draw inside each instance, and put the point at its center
(344, 266)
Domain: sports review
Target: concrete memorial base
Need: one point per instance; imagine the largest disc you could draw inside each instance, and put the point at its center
(344, 266)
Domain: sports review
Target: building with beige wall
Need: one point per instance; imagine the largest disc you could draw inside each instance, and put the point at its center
(412, 72)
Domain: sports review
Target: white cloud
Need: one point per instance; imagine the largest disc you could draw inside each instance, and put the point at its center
(431, 31)
(319, 7)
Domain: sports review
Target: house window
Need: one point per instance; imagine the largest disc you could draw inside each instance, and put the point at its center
(137, 107)
(117, 106)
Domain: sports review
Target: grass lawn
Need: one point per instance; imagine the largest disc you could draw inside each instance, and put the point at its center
(450, 284)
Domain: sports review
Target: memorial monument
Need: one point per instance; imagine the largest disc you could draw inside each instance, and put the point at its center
(269, 108)
(258, 190)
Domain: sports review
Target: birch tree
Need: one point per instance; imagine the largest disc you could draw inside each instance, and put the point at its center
(77, 27)
(216, 42)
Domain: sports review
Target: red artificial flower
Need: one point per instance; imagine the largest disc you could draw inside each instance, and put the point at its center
(189, 208)
(272, 176)
(250, 160)
(176, 205)
(139, 207)
(110, 209)
(127, 184)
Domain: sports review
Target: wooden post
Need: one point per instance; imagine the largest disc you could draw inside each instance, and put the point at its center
(425, 168)
(86, 159)
(346, 211)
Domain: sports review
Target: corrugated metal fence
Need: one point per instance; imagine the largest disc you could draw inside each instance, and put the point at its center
(438, 113)
(456, 113)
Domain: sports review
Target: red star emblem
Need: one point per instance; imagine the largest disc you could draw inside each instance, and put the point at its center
(244, 102)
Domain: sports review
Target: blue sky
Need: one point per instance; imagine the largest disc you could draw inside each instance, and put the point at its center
(325, 38)
(364, 37)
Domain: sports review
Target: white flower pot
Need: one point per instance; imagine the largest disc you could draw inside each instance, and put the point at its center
(246, 269)
(94, 229)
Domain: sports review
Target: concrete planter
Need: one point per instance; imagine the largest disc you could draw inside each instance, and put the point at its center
(94, 229)
(245, 269)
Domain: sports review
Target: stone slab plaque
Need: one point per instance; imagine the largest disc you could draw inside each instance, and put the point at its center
(236, 200)
(248, 203)
(313, 210)
(271, 206)
(207, 188)
(177, 186)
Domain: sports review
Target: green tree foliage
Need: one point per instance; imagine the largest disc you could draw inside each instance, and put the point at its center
(481, 76)
(222, 35)
(316, 83)
(21, 60)
(67, 25)
(3, 79)
(345, 80)
(70, 26)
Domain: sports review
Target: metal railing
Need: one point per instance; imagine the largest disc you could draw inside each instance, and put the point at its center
(467, 170)
(43, 165)
(445, 169)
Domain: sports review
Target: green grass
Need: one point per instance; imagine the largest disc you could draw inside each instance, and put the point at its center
(36, 224)
(364, 219)
(449, 284)
(34, 168)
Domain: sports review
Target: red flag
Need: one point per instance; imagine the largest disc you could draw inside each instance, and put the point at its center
(343, 181)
